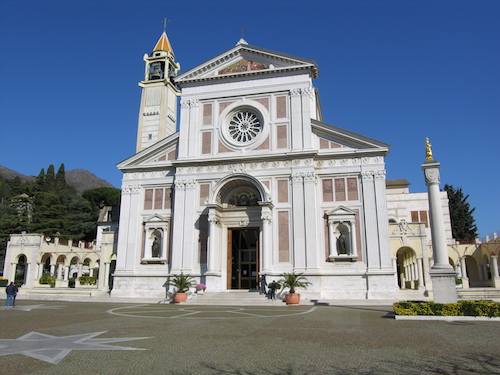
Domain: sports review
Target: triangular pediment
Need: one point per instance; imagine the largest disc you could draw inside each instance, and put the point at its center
(341, 211)
(333, 139)
(247, 60)
(161, 154)
(155, 218)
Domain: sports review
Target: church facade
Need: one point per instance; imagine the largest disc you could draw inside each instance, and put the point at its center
(253, 182)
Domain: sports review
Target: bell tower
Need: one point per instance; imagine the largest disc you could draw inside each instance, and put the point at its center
(158, 111)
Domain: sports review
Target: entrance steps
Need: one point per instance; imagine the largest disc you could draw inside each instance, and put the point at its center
(479, 293)
(61, 293)
(233, 298)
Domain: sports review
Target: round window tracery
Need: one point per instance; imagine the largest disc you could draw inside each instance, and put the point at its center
(244, 126)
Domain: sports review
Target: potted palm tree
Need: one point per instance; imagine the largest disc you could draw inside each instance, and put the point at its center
(293, 281)
(182, 283)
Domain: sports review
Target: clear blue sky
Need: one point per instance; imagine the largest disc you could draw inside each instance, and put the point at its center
(396, 71)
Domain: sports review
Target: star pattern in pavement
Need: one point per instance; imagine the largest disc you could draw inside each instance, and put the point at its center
(53, 349)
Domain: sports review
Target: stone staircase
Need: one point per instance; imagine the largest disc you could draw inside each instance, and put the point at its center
(232, 298)
(61, 293)
(479, 293)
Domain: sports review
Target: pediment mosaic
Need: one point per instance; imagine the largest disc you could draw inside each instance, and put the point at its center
(243, 65)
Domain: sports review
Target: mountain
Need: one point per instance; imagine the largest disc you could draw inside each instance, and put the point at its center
(9, 174)
(80, 178)
(85, 180)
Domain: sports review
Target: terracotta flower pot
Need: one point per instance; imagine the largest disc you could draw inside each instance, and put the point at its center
(292, 299)
(180, 297)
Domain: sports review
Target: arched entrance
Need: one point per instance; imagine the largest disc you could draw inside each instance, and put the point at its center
(472, 271)
(238, 231)
(20, 276)
(407, 268)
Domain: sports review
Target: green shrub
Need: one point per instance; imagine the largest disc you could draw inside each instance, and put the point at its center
(462, 308)
(47, 278)
(4, 282)
(447, 309)
(87, 280)
(480, 308)
(413, 308)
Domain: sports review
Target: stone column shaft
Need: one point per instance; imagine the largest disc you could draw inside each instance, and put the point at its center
(442, 273)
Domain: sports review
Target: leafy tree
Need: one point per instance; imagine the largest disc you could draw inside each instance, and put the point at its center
(103, 196)
(462, 220)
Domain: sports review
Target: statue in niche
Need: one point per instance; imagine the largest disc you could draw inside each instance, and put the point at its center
(342, 244)
(155, 248)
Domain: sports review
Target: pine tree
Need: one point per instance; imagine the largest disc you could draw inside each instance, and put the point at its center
(50, 179)
(462, 220)
(60, 182)
(40, 181)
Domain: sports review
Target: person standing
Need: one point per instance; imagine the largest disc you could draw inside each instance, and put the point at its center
(11, 291)
(272, 288)
(263, 283)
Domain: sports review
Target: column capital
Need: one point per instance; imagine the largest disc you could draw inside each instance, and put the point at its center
(297, 177)
(367, 175)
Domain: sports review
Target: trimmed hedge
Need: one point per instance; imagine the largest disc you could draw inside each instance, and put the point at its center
(461, 308)
(47, 278)
(4, 282)
(87, 280)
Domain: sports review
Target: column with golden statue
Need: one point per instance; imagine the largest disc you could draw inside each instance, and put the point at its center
(442, 273)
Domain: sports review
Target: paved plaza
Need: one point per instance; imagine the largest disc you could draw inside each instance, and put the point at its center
(59, 337)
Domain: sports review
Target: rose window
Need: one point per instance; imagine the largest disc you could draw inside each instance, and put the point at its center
(244, 126)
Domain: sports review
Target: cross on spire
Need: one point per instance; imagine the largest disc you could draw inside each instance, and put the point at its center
(164, 22)
(242, 32)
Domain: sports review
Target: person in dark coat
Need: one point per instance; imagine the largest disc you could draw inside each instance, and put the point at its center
(272, 289)
(263, 283)
(11, 291)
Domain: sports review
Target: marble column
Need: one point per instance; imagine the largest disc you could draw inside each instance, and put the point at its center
(442, 273)
(494, 271)
(106, 274)
(465, 278)
(40, 270)
(420, 274)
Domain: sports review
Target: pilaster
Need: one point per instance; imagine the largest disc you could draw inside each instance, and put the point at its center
(178, 227)
(311, 232)
(298, 238)
(296, 118)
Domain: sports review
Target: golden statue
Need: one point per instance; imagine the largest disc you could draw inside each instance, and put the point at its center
(428, 151)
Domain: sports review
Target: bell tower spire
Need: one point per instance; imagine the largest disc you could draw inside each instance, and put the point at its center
(158, 111)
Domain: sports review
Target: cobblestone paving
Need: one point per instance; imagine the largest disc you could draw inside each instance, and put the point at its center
(180, 340)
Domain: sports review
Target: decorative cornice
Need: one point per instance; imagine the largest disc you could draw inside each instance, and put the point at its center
(127, 189)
